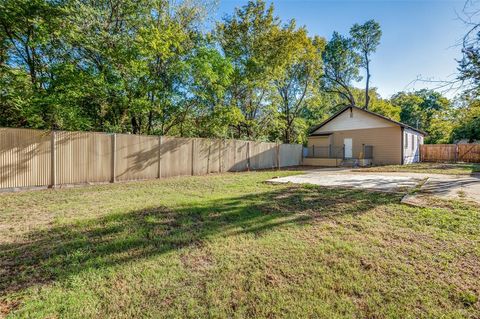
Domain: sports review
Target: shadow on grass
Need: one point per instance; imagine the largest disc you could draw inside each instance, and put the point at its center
(60, 252)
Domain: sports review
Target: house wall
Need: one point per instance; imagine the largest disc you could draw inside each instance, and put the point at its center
(363, 128)
(386, 141)
(325, 162)
(411, 146)
(319, 141)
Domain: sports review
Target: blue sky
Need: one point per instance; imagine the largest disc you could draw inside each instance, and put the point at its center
(420, 37)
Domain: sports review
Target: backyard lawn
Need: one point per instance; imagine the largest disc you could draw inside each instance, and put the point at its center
(429, 168)
(230, 245)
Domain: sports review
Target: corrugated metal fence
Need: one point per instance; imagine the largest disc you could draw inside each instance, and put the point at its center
(47, 158)
(450, 153)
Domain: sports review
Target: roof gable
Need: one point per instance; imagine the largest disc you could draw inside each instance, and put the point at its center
(354, 118)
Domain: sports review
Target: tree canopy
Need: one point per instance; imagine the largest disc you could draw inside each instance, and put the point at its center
(153, 67)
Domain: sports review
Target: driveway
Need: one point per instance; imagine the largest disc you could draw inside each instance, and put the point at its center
(447, 186)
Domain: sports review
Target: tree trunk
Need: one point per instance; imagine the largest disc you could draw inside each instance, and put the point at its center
(367, 97)
(150, 122)
(135, 126)
(287, 135)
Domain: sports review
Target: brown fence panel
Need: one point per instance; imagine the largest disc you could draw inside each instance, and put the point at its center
(176, 156)
(201, 156)
(228, 155)
(290, 155)
(40, 158)
(263, 155)
(215, 152)
(136, 157)
(438, 152)
(235, 156)
(82, 157)
(469, 153)
(207, 156)
(25, 158)
(450, 153)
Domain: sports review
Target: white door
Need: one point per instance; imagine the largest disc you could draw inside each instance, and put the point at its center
(347, 142)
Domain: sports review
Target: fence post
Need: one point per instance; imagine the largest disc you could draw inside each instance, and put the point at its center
(114, 158)
(456, 153)
(220, 143)
(193, 157)
(278, 155)
(248, 155)
(235, 154)
(159, 157)
(53, 164)
(313, 150)
(209, 155)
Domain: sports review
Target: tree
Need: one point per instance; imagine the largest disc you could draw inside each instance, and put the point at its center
(168, 41)
(426, 110)
(26, 29)
(341, 67)
(468, 124)
(377, 104)
(321, 106)
(146, 67)
(116, 65)
(210, 75)
(299, 77)
(365, 39)
(248, 39)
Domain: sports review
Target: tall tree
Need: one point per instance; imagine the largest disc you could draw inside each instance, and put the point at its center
(248, 40)
(26, 30)
(377, 103)
(469, 65)
(296, 84)
(209, 78)
(365, 39)
(341, 67)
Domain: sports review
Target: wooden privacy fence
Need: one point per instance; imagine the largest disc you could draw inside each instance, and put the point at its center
(48, 158)
(450, 153)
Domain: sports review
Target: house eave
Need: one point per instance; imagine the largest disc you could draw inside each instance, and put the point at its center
(367, 111)
(320, 134)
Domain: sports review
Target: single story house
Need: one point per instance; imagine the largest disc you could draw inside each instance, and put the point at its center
(355, 136)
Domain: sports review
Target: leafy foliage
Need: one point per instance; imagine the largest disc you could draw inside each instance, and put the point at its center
(468, 127)
(426, 110)
(365, 39)
(148, 67)
(341, 64)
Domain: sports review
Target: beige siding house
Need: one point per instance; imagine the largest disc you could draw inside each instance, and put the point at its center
(358, 137)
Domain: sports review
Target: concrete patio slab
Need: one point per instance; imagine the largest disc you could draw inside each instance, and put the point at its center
(453, 187)
(445, 186)
(348, 179)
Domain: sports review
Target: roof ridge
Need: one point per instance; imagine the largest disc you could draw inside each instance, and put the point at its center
(367, 111)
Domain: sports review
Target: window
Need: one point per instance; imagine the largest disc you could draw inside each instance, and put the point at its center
(406, 140)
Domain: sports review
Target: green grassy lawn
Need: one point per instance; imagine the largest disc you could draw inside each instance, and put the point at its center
(428, 168)
(231, 245)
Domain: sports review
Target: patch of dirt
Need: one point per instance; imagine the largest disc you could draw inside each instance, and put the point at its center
(198, 259)
(7, 306)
